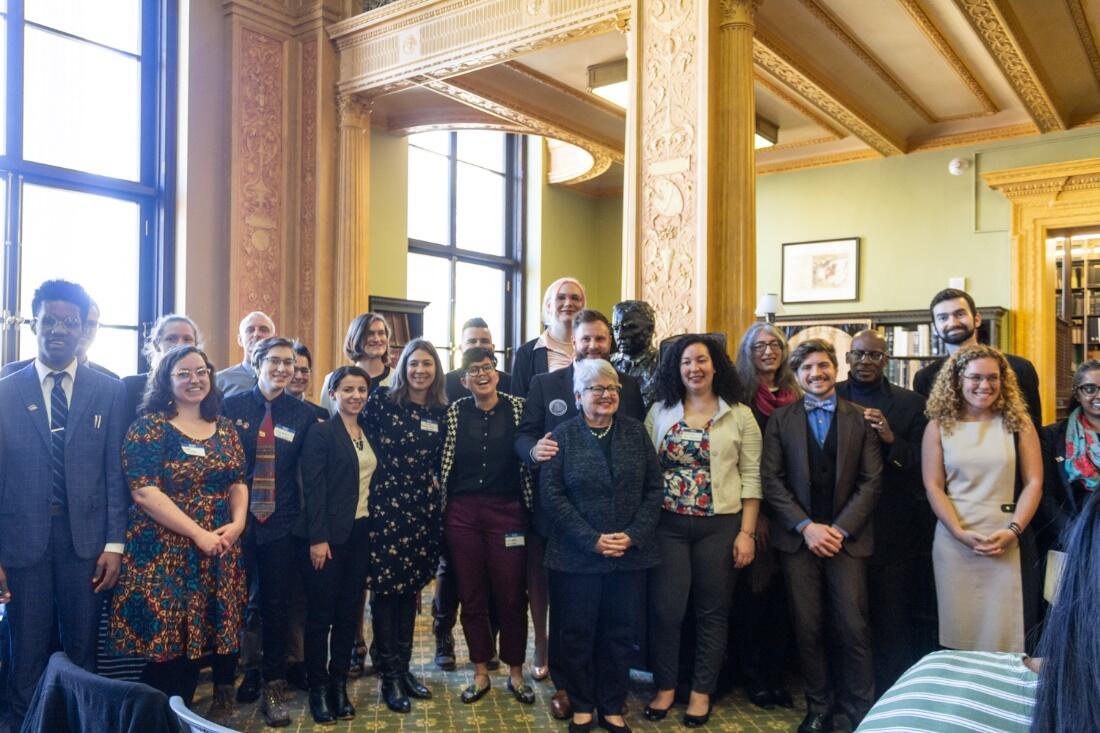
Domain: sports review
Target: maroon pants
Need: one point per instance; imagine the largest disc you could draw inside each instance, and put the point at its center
(483, 534)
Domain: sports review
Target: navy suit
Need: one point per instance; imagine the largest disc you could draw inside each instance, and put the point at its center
(50, 557)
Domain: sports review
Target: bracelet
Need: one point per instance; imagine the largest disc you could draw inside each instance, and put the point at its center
(1016, 529)
(750, 534)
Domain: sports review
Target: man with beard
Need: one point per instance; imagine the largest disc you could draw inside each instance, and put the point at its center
(550, 402)
(899, 574)
(956, 320)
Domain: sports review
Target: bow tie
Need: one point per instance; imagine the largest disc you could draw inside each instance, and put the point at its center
(816, 404)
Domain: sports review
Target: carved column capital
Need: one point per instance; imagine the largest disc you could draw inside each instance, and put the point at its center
(353, 111)
(737, 12)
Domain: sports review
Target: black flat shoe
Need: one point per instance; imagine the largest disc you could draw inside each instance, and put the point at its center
(414, 687)
(697, 721)
(762, 699)
(394, 696)
(655, 714)
(581, 727)
(523, 693)
(816, 723)
(612, 728)
(473, 693)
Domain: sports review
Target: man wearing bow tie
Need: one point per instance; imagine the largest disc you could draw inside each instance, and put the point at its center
(822, 470)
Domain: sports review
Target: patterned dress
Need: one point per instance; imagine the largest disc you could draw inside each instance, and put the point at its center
(406, 517)
(685, 460)
(172, 600)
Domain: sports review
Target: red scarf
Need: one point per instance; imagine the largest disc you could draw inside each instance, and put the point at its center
(768, 402)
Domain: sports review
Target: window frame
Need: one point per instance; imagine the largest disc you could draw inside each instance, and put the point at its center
(154, 191)
(512, 262)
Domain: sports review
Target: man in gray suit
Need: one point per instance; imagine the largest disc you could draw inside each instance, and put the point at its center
(254, 328)
(822, 471)
(63, 499)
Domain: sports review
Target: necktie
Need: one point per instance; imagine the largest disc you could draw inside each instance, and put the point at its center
(816, 404)
(262, 502)
(59, 414)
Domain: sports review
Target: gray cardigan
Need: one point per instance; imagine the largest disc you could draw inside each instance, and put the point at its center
(584, 498)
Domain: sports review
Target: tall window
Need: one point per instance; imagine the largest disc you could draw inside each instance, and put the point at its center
(465, 243)
(86, 163)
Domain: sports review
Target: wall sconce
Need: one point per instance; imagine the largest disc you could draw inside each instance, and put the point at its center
(768, 306)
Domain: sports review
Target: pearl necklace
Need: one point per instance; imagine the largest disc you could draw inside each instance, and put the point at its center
(601, 434)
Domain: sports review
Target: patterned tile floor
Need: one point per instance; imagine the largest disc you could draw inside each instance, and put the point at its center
(497, 712)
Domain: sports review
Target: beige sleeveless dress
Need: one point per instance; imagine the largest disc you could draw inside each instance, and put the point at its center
(980, 599)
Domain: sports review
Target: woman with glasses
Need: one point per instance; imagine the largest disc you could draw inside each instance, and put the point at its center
(272, 426)
(182, 592)
(983, 474)
(167, 333)
(767, 381)
(602, 491)
(487, 499)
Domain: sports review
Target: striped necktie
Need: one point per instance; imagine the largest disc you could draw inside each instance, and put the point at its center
(262, 503)
(59, 414)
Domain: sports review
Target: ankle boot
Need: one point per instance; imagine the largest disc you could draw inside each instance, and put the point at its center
(393, 695)
(319, 707)
(338, 698)
(414, 687)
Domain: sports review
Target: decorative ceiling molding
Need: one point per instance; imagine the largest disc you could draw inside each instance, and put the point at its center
(977, 137)
(797, 144)
(1084, 32)
(940, 43)
(1046, 180)
(801, 107)
(837, 28)
(382, 50)
(820, 161)
(780, 64)
(996, 28)
(603, 154)
(563, 88)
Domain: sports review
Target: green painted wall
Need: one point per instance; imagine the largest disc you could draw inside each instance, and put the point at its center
(389, 205)
(919, 225)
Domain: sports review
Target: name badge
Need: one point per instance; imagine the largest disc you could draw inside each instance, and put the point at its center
(194, 450)
(692, 434)
(513, 539)
(282, 432)
(429, 425)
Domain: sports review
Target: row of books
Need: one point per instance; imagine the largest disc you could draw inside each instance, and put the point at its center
(902, 372)
(919, 341)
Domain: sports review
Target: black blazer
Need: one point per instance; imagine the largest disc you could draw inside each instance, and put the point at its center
(135, 391)
(550, 402)
(527, 362)
(925, 378)
(585, 497)
(455, 390)
(1062, 501)
(785, 471)
(330, 483)
(904, 521)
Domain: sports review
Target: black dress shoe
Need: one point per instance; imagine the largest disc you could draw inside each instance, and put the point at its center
(697, 721)
(581, 727)
(338, 699)
(414, 687)
(319, 708)
(782, 698)
(473, 693)
(612, 728)
(762, 698)
(394, 696)
(654, 714)
(816, 723)
(445, 652)
(249, 691)
(523, 693)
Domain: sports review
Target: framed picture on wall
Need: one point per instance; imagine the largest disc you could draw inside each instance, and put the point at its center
(821, 272)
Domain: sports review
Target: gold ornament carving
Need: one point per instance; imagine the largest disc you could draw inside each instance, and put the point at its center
(801, 107)
(1084, 32)
(940, 43)
(977, 137)
(992, 26)
(261, 163)
(307, 225)
(820, 161)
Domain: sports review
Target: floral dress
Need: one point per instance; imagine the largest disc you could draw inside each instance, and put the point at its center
(172, 600)
(405, 526)
(685, 460)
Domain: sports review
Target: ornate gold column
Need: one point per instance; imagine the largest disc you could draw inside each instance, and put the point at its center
(731, 170)
(352, 215)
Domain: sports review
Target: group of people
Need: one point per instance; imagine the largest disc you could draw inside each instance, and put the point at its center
(231, 522)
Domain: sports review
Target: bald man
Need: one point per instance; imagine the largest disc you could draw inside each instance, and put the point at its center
(901, 592)
(254, 328)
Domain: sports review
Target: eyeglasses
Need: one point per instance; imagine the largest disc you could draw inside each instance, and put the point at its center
(305, 371)
(480, 369)
(69, 324)
(761, 346)
(277, 362)
(1089, 390)
(599, 390)
(871, 356)
(976, 379)
(186, 374)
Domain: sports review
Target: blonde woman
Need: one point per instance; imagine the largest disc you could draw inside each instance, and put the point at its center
(983, 474)
(553, 349)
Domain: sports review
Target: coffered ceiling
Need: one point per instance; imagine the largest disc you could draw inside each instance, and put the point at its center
(842, 79)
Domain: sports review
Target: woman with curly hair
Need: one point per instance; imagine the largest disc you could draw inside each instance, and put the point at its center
(983, 474)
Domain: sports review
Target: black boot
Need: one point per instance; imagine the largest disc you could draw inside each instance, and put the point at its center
(338, 698)
(319, 707)
(393, 695)
(406, 620)
(414, 687)
(384, 620)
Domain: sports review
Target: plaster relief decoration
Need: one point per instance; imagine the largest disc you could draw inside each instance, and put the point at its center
(307, 235)
(260, 156)
(408, 45)
(821, 272)
(669, 199)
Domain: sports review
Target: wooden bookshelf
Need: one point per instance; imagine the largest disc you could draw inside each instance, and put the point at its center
(405, 318)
